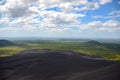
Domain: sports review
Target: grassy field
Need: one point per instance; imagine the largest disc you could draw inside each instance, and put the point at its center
(11, 50)
(78, 46)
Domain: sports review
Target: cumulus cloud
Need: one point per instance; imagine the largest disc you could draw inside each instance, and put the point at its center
(57, 29)
(95, 4)
(61, 18)
(33, 15)
(17, 8)
(65, 5)
(105, 1)
(4, 20)
(115, 12)
(112, 14)
(20, 8)
(110, 26)
(14, 29)
(23, 13)
(89, 6)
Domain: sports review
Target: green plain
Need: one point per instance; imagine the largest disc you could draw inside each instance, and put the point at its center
(77, 46)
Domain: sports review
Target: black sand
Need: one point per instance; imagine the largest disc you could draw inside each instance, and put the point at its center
(57, 65)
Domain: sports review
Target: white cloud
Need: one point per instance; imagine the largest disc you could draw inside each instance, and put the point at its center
(93, 5)
(65, 5)
(60, 18)
(10, 29)
(116, 12)
(113, 14)
(21, 8)
(24, 11)
(110, 26)
(105, 1)
(4, 20)
(89, 6)
(29, 28)
(57, 30)
(93, 25)
(32, 15)
(17, 8)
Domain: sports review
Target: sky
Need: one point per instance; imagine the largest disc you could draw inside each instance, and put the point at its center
(60, 18)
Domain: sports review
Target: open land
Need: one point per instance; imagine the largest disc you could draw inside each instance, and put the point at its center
(60, 60)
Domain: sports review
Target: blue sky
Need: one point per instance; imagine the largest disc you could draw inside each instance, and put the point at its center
(60, 18)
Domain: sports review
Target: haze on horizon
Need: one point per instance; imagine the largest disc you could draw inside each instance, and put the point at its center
(60, 18)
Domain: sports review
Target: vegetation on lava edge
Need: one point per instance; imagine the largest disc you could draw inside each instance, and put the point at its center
(106, 50)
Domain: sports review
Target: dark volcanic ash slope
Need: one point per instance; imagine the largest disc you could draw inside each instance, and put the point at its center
(51, 65)
(107, 73)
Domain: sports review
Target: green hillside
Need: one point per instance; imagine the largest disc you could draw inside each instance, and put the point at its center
(93, 48)
(4, 43)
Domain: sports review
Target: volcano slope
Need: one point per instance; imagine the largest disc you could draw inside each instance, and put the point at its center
(57, 65)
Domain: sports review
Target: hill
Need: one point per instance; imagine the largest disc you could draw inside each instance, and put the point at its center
(4, 43)
(112, 46)
(107, 45)
(93, 43)
(55, 65)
